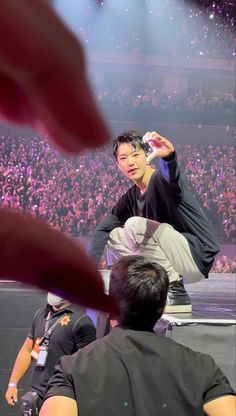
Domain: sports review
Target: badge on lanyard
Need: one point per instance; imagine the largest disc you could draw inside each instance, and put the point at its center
(42, 357)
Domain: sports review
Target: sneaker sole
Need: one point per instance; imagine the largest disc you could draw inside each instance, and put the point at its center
(178, 308)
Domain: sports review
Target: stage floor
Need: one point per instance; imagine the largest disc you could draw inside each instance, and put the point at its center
(212, 298)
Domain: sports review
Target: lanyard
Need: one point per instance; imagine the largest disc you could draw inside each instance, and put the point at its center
(48, 330)
(47, 322)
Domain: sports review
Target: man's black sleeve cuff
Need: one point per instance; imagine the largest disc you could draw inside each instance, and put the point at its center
(171, 157)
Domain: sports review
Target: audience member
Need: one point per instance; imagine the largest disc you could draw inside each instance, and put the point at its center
(224, 264)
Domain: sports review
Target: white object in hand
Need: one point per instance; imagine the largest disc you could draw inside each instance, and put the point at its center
(146, 137)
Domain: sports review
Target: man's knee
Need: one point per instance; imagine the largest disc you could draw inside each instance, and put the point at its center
(140, 225)
(133, 231)
(136, 227)
(133, 222)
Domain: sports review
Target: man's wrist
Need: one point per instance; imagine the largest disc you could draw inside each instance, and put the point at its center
(11, 384)
(170, 157)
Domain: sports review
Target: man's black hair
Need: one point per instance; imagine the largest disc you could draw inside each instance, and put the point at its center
(133, 137)
(140, 288)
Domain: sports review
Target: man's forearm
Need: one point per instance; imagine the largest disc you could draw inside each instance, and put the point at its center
(96, 246)
(99, 240)
(169, 169)
(21, 365)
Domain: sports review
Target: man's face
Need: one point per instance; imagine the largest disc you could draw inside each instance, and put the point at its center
(132, 162)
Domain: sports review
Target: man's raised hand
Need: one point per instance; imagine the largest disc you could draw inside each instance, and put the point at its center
(160, 146)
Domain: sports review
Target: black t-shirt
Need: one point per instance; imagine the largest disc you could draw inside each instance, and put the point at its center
(141, 199)
(138, 373)
(73, 331)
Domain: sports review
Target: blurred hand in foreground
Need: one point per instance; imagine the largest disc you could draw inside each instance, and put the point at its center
(35, 254)
(43, 80)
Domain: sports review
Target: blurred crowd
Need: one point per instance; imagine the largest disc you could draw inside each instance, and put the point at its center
(224, 264)
(210, 172)
(148, 97)
(70, 194)
(73, 194)
(164, 28)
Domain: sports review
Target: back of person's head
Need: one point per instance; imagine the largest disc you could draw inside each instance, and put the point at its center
(140, 288)
(132, 137)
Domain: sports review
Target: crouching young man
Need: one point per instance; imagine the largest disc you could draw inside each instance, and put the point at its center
(158, 217)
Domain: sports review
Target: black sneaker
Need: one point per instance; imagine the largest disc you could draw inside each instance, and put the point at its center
(178, 301)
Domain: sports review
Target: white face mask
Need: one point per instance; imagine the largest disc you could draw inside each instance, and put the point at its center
(54, 300)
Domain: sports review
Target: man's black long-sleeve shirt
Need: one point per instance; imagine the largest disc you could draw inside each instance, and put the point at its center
(166, 200)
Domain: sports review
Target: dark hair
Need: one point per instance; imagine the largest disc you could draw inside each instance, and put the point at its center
(140, 288)
(133, 137)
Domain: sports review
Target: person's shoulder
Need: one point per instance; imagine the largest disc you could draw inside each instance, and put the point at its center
(197, 363)
(125, 201)
(80, 319)
(188, 353)
(41, 312)
(130, 191)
